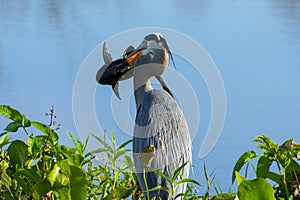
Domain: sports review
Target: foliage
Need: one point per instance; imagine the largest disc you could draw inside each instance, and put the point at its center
(43, 168)
(283, 157)
(255, 189)
(40, 167)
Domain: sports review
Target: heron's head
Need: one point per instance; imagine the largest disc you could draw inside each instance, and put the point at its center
(153, 56)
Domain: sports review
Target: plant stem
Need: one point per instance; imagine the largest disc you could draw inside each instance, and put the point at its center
(25, 131)
(45, 145)
(285, 185)
(145, 180)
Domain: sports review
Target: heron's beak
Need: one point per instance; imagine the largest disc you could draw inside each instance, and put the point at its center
(135, 55)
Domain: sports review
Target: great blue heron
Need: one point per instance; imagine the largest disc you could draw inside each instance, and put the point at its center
(161, 137)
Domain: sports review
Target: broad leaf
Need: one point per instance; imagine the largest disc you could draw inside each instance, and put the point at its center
(10, 113)
(13, 126)
(46, 130)
(18, 152)
(239, 178)
(263, 166)
(31, 173)
(41, 189)
(242, 161)
(78, 180)
(53, 174)
(78, 183)
(26, 122)
(256, 189)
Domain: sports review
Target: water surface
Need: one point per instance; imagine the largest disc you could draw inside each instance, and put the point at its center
(255, 44)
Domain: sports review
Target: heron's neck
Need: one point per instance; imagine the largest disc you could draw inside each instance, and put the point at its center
(141, 86)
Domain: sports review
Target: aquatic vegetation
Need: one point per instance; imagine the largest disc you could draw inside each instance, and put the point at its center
(43, 168)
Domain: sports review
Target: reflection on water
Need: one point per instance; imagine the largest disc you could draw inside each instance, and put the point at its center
(255, 44)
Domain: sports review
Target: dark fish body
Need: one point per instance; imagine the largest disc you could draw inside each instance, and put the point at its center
(113, 72)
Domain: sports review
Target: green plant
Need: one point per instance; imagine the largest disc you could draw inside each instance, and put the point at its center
(40, 168)
(210, 181)
(256, 189)
(43, 168)
(114, 177)
(284, 157)
(174, 182)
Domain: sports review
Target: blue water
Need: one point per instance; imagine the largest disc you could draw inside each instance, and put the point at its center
(255, 45)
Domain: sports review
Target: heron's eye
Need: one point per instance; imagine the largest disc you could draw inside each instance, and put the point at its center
(150, 53)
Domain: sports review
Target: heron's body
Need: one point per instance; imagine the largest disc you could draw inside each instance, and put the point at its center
(160, 123)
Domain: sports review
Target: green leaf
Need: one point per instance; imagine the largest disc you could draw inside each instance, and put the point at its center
(275, 177)
(78, 180)
(162, 175)
(119, 153)
(78, 183)
(178, 171)
(31, 173)
(63, 193)
(226, 196)
(46, 130)
(263, 166)
(26, 122)
(61, 181)
(206, 176)
(128, 161)
(243, 159)
(125, 143)
(99, 150)
(77, 143)
(53, 174)
(102, 142)
(120, 193)
(4, 140)
(239, 178)
(113, 139)
(6, 181)
(41, 189)
(187, 180)
(256, 189)
(10, 113)
(159, 187)
(17, 152)
(13, 126)
(266, 143)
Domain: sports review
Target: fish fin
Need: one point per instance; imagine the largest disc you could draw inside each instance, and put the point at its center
(115, 88)
(106, 55)
(127, 51)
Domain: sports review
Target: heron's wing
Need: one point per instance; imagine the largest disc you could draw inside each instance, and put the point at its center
(106, 55)
(160, 123)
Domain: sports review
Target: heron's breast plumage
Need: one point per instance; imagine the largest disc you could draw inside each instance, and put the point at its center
(161, 124)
